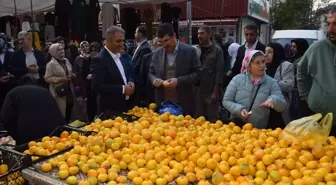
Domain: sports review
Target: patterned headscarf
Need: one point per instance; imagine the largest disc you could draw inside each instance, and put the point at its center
(246, 62)
(247, 59)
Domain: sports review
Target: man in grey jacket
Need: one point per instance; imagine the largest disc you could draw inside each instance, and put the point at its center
(174, 70)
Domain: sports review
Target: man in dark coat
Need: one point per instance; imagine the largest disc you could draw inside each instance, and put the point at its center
(30, 112)
(7, 81)
(148, 91)
(142, 49)
(110, 79)
(28, 61)
(174, 70)
(211, 76)
(252, 43)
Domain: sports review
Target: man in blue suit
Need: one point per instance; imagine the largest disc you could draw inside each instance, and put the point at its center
(110, 79)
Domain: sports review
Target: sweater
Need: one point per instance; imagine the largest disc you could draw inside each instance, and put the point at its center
(239, 95)
(316, 77)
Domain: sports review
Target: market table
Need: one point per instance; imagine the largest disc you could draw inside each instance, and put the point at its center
(35, 178)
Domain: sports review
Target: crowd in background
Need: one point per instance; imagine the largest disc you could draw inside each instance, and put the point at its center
(252, 82)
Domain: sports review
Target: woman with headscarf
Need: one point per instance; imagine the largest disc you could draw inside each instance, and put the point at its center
(95, 48)
(233, 50)
(83, 79)
(283, 72)
(252, 94)
(59, 75)
(298, 49)
(231, 59)
(298, 108)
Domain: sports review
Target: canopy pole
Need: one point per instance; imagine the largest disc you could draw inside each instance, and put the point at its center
(32, 16)
(31, 10)
(189, 20)
(15, 9)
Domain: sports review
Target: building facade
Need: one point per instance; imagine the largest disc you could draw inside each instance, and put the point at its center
(226, 17)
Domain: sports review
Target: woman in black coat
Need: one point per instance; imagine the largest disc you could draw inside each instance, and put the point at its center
(30, 112)
(83, 79)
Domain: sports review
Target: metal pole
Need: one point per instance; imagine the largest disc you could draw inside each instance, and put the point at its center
(15, 8)
(221, 16)
(32, 15)
(189, 20)
(31, 10)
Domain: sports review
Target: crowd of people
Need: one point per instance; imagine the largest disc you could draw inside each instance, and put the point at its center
(253, 82)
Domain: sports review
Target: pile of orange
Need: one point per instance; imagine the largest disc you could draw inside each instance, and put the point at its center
(158, 149)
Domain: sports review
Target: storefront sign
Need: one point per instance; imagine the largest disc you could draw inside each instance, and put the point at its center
(259, 9)
(193, 23)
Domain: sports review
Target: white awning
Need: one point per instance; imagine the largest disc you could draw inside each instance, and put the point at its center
(7, 7)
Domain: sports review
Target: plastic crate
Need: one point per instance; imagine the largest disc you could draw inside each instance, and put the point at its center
(57, 132)
(112, 115)
(15, 161)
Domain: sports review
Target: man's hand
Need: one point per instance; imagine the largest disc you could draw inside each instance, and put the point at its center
(229, 73)
(244, 113)
(4, 79)
(32, 68)
(267, 104)
(157, 83)
(131, 84)
(89, 77)
(128, 90)
(172, 83)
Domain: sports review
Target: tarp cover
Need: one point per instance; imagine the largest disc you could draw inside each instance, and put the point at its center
(23, 6)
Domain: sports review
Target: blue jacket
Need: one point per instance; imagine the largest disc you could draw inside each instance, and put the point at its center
(127, 59)
(239, 95)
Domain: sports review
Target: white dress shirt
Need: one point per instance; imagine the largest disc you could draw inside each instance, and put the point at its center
(116, 58)
(31, 60)
(2, 58)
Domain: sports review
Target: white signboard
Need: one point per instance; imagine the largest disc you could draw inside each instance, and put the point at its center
(259, 9)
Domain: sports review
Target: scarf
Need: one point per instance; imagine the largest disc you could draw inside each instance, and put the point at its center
(246, 63)
(53, 51)
(279, 56)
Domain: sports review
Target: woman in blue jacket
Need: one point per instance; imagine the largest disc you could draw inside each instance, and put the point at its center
(251, 94)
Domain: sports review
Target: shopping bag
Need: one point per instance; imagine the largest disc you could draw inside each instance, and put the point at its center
(171, 107)
(309, 128)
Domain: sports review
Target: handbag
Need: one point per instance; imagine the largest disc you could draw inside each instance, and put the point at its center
(62, 90)
(294, 106)
(240, 121)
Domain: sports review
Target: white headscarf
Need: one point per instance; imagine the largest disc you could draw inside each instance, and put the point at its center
(233, 51)
(53, 51)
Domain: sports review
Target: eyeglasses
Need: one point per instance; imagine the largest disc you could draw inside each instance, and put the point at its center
(165, 41)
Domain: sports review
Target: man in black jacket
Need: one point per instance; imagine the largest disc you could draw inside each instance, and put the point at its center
(110, 79)
(147, 93)
(252, 43)
(7, 81)
(28, 61)
(30, 112)
(142, 49)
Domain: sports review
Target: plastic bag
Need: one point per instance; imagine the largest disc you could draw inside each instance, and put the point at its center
(171, 107)
(309, 129)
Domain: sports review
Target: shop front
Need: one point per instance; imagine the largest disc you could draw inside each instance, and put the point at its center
(258, 13)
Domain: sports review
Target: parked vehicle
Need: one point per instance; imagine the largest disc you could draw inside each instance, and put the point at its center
(284, 37)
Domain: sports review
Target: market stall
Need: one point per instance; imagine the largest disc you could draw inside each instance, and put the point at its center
(14, 7)
(144, 147)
